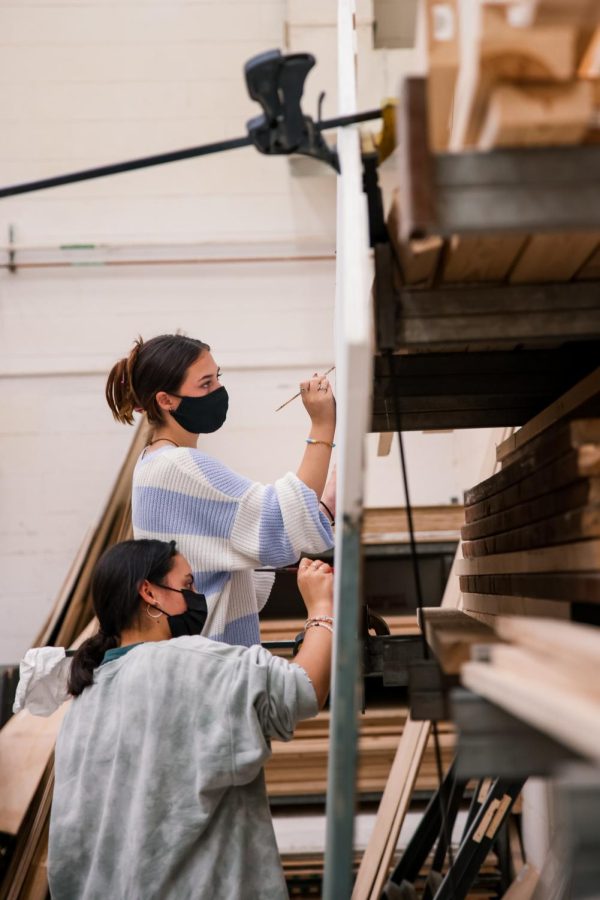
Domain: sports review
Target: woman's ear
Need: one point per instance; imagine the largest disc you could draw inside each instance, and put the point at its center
(146, 593)
(164, 401)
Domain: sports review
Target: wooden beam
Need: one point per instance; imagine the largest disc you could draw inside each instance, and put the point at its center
(553, 257)
(568, 642)
(443, 58)
(490, 606)
(577, 726)
(487, 257)
(392, 810)
(552, 503)
(586, 391)
(580, 556)
(491, 51)
(536, 115)
(576, 587)
(451, 633)
(568, 469)
(577, 439)
(573, 526)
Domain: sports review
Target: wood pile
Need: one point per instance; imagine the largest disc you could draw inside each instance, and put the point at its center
(512, 73)
(546, 676)
(26, 741)
(531, 538)
(505, 74)
(300, 767)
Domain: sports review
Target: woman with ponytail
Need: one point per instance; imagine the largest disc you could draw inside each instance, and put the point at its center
(226, 525)
(159, 791)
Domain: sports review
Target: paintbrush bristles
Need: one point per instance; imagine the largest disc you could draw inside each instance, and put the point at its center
(300, 392)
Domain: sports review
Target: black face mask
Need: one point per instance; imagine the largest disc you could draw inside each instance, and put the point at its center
(202, 415)
(191, 621)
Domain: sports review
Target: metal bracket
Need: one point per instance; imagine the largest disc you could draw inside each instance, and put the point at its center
(390, 656)
(277, 83)
(493, 743)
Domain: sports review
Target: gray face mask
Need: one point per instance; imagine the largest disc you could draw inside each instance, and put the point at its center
(193, 620)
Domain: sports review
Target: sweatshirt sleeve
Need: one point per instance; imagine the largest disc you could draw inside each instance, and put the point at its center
(269, 696)
(262, 525)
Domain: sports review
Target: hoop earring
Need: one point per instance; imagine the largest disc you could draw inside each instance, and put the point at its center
(148, 613)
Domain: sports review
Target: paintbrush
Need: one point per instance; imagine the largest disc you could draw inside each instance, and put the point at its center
(299, 392)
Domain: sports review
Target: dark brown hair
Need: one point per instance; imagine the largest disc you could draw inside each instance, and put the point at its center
(116, 582)
(158, 365)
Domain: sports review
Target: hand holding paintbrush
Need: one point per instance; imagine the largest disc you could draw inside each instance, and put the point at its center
(305, 387)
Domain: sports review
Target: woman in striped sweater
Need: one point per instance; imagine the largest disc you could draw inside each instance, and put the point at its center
(224, 524)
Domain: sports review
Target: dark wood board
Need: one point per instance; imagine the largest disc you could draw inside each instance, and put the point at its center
(551, 503)
(569, 468)
(582, 587)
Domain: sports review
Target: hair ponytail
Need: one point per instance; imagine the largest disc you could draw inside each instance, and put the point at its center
(159, 364)
(120, 394)
(88, 657)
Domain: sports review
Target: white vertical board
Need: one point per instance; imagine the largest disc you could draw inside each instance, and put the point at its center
(354, 361)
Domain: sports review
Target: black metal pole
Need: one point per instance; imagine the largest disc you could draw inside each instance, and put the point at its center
(160, 159)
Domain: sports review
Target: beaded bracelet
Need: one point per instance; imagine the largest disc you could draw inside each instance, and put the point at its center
(326, 443)
(318, 625)
(319, 619)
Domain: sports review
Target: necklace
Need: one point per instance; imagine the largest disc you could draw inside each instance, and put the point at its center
(149, 444)
(158, 441)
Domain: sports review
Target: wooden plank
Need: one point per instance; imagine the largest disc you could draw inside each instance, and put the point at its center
(383, 525)
(536, 115)
(580, 435)
(554, 501)
(417, 258)
(568, 469)
(26, 744)
(524, 885)
(451, 633)
(568, 642)
(581, 677)
(578, 587)
(574, 525)
(588, 389)
(384, 444)
(415, 163)
(443, 59)
(392, 810)
(492, 51)
(577, 726)
(553, 257)
(508, 315)
(580, 556)
(473, 258)
(494, 605)
(590, 271)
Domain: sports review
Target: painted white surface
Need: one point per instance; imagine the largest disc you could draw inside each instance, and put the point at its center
(84, 82)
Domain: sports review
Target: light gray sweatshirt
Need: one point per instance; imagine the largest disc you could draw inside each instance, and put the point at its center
(159, 785)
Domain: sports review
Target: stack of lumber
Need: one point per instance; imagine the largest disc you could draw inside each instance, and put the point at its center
(300, 767)
(546, 676)
(531, 538)
(512, 73)
(506, 75)
(26, 741)
(389, 525)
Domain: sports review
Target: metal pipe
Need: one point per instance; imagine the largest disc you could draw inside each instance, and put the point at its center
(13, 265)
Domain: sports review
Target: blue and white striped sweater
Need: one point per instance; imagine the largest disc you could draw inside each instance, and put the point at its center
(226, 526)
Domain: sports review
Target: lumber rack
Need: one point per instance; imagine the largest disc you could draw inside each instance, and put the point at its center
(478, 352)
